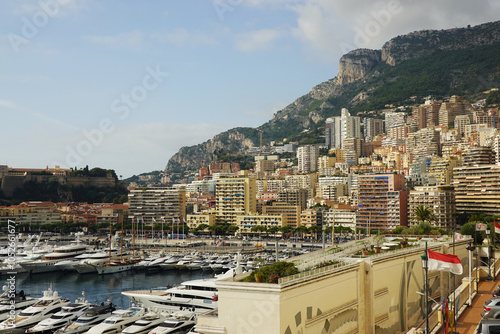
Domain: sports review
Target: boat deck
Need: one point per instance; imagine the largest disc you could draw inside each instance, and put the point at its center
(149, 292)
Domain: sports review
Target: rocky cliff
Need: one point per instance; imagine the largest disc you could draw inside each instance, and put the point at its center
(454, 61)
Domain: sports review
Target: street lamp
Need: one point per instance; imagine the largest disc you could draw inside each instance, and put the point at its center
(470, 247)
(489, 278)
(426, 289)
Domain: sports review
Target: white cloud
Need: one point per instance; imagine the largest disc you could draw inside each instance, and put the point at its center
(132, 39)
(258, 40)
(327, 29)
(10, 105)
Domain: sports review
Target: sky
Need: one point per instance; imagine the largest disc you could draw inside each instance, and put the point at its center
(125, 84)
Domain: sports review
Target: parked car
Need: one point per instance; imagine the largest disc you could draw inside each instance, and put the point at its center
(491, 308)
(496, 293)
(489, 326)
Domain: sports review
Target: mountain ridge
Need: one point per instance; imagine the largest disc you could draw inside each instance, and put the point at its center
(369, 78)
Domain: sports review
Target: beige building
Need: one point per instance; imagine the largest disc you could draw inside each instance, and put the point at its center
(382, 294)
(150, 205)
(450, 110)
(290, 213)
(439, 199)
(207, 218)
(441, 169)
(247, 222)
(477, 189)
(235, 196)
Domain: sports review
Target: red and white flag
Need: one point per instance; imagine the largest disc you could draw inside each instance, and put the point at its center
(444, 262)
(497, 227)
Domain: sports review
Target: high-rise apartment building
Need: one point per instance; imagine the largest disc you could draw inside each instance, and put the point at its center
(478, 155)
(350, 126)
(477, 189)
(333, 132)
(308, 158)
(381, 201)
(394, 120)
(424, 142)
(372, 128)
(291, 212)
(150, 205)
(294, 197)
(450, 110)
(235, 196)
(440, 200)
(441, 169)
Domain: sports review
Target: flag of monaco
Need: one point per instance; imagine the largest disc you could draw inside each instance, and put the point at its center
(497, 227)
(444, 262)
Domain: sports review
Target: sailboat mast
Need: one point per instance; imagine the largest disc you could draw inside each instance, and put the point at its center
(121, 243)
(133, 238)
(110, 241)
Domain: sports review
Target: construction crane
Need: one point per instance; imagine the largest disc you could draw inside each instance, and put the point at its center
(260, 132)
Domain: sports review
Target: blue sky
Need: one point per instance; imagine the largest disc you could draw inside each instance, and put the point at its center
(125, 84)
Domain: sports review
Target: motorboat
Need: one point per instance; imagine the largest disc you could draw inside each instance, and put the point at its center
(119, 320)
(179, 322)
(149, 321)
(45, 307)
(60, 319)
(91, 317)
(10, 306)
(170, 263)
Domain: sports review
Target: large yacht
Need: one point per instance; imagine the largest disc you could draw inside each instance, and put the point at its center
(198, 295)
(88, 319)
(117, 321)
(179, 322)
(49, 304)
(47, 263)
(142, 326)
(60, 319)
(19, 302)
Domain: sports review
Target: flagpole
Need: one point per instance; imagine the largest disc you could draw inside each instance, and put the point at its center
(489, 278)
(425, 258)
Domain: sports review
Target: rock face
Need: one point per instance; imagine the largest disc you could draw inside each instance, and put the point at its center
(419, 43)
(233, 140)
(356, 64)
(347, 89)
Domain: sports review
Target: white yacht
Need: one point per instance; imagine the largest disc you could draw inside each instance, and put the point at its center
(47, 263)
(198, 295)
(149, 321)
(179, 322)
(89, 263)
(19, 302)
(60, 319)
(117, 321)
(88, 319)
(49, 304)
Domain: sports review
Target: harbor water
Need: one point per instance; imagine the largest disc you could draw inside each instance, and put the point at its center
(101, 288)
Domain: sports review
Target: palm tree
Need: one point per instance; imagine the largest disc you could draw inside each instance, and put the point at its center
(424, 214)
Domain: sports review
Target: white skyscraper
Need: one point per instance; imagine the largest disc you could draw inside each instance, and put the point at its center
(332, 132)
(308, 158)
(350, 126)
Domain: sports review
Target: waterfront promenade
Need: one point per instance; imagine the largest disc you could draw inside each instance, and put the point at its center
(468, 321)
